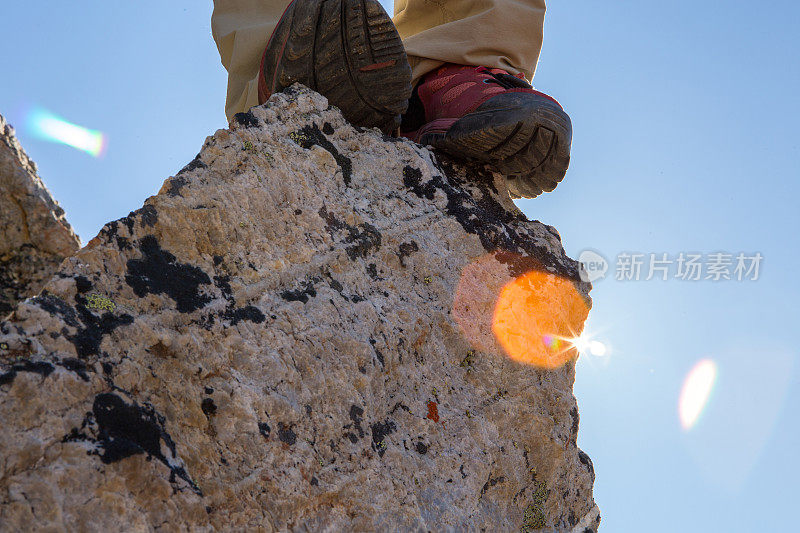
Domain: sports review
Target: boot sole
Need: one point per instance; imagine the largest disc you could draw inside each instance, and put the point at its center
(526, 137)
(347, 50)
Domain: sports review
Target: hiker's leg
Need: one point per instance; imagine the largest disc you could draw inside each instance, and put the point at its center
(241, 29)
(505, 34)
(347, 50)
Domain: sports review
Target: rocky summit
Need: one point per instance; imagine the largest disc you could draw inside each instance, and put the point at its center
(34, 233)
(310, 327)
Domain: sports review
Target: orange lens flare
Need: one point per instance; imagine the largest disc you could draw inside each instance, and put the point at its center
(535, 318)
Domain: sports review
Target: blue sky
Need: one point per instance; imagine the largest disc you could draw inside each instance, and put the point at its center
(685, 117)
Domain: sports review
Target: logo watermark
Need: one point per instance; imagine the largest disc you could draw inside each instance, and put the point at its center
(683, 266)
(593, 265)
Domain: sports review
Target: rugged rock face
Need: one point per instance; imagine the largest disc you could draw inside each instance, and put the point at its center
(34, 234)
(297, 333)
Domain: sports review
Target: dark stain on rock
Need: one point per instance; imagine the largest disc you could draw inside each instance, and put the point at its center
(223, 283)
(356, 415)
(123, 430)
(88, 338)
(176, 184)
(129, 222)
(77, 366)
(286, 434)
(372, 270)
(302, 294)
(406, 249)
(381, 430)
(82, 284)
(90, 329)
(338, 287)
(264, 429)
(246, 120)
(110, 230)
(421, 448)
(158, 272)
(491, 482)
(575, 421)
(363, 238)
(148, 214)
(123, 243)
(251, 313)
(310, 135)
(400, 405)
(42, 368)
(412, 179)
(380, 357)
(572, 518)
(57, 307)
(486, 218)
(587, 461)
(327, 129)
(208, 406)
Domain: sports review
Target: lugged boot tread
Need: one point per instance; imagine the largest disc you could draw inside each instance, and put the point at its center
(526, 138)
(347, 50)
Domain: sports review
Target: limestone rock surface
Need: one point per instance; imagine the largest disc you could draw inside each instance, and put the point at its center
(34, 233)
(295, 334)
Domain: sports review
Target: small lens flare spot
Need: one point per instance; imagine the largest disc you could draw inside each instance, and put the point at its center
(552, 342)
(45, 125)
(696, 392)
(598, 349)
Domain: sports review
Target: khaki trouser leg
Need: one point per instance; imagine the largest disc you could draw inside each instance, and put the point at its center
(241, 29)
(504, 34)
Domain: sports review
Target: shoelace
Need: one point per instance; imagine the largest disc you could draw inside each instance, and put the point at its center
(504, 79)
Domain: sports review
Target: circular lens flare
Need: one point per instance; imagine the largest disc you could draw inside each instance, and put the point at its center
(535, 318)
(696, 391)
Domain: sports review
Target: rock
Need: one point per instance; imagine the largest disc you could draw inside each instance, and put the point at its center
(297, 333)
(34, 234)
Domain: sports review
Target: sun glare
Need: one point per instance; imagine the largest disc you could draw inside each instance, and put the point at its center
(49, 127)
(696, 391)
(588, 346)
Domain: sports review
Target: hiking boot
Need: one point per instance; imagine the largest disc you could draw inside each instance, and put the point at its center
(348, 51)
(489, 115)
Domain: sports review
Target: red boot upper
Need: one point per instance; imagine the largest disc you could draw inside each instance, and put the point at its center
(452, 91)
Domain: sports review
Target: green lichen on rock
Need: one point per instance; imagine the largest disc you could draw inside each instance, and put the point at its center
(299, 137)
(533, 517)
(100, 303)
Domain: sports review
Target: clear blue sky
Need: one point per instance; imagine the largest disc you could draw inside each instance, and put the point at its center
(685, 117)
